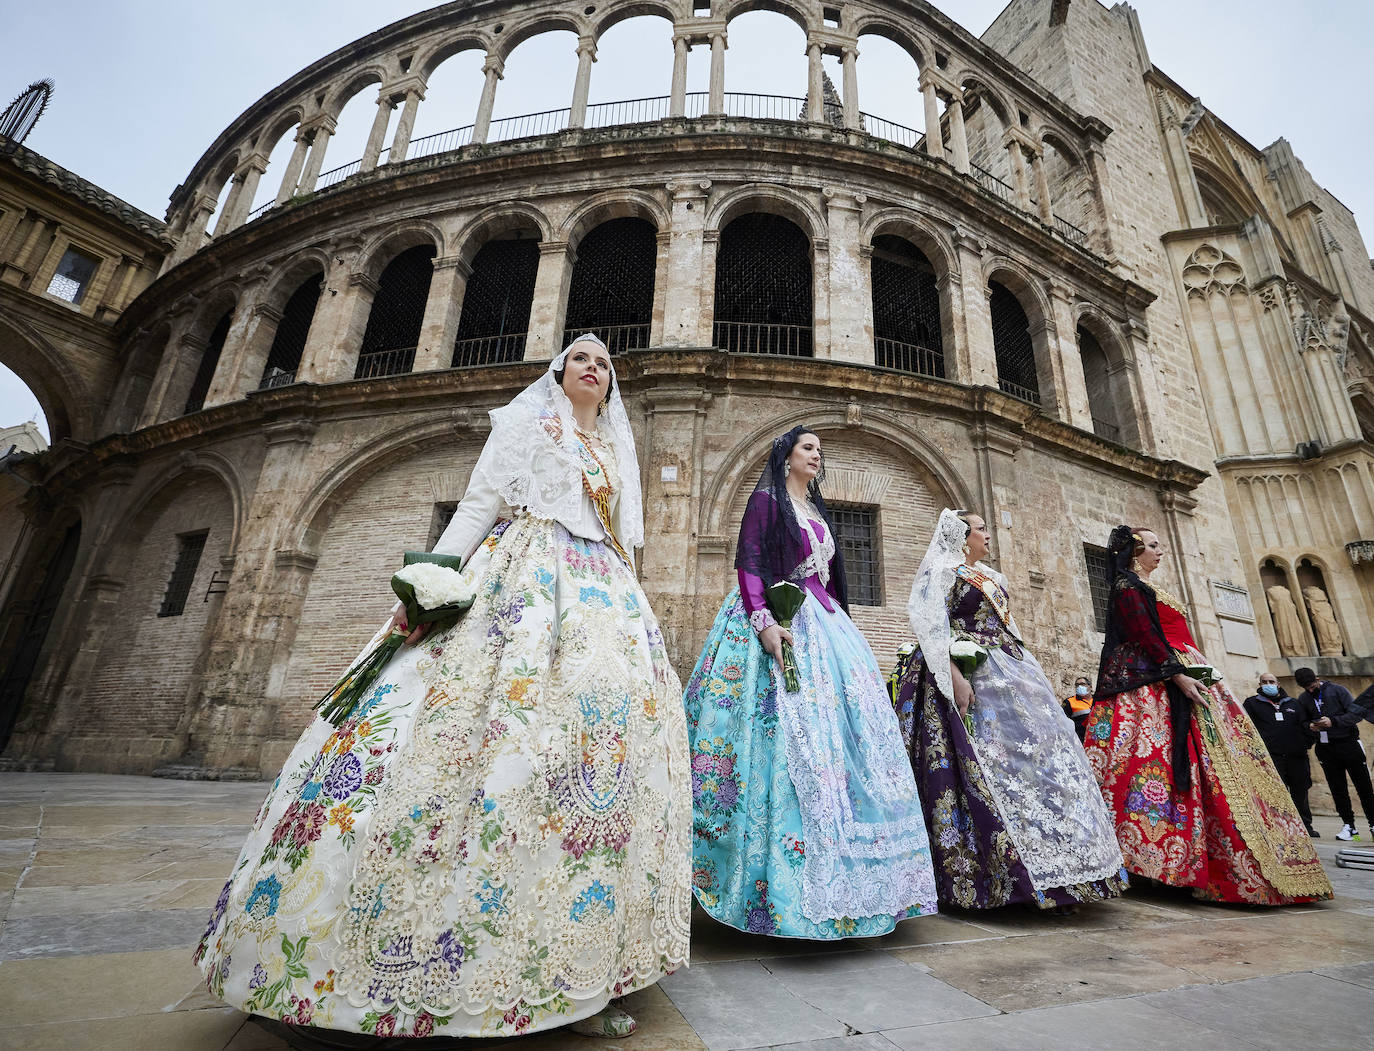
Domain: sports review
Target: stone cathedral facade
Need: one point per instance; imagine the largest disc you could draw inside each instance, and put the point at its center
(1054, 287)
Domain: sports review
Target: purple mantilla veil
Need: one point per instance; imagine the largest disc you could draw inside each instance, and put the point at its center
(770, 537)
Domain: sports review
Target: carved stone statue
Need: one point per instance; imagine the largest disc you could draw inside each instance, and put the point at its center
(1287, 626)
(1329, 641)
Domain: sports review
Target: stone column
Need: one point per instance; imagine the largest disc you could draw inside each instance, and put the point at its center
(675, 422)
(586, 55)
(227, 384)
(167, 396)
(706, 320)
(443, 309)
(235, 380)
(820, 298)
(815, 84)
(851, 329)
(935, 140)
(493, 69)
(291, 177)
(995, 445)
(687, 294)
(1102, 198)
(198, 215)
(116, 293)
(550, 296)
(716, 104)
(340, 318)
(677, 103)
(1018, 171)
(224, 222)
(1148, 398)
(373, 150)
(247, 188)
(958, 137)
(323, 129)
(851, 88)
(15, 269)
(1074, 407)
(400, 144)
(974, 360)
(1042, 187)
(663, 241)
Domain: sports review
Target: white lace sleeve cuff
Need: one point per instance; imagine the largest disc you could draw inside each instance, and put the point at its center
(761, 619)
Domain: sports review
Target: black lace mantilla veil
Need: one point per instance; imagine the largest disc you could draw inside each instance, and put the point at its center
(770, 537)
(1126, 664)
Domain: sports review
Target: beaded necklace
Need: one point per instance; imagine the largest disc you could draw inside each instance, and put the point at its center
(596, 480)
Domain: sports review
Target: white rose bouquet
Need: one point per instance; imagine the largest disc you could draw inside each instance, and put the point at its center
(434, 589)
(968, 655)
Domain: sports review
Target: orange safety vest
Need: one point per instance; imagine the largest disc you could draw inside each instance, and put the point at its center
(1078, 705)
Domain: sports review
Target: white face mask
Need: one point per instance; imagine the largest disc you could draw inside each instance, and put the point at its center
(1081, 691)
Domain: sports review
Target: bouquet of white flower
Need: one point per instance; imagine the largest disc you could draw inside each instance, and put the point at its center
(434, 590)
(968, 655)
(1203, 673)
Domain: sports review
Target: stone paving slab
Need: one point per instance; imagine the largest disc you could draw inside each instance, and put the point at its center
(106, 883)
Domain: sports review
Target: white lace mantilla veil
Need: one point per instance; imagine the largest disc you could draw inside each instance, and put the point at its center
(928, 607)
(531, 469)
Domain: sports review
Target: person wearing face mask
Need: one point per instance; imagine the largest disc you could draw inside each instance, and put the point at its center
(1333, 717)
(1278, 718)
(1079, 704)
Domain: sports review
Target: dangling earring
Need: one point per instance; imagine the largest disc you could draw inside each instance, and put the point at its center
(966, 551)
(787, 469)
(1136, 567)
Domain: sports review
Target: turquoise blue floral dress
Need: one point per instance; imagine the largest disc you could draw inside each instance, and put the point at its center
(806, 819)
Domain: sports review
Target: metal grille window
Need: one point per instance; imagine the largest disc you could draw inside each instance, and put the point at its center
(284, 359)
(1096, 560)
(209, 361)
(763, 287)
(1011, 342)
(496, 305)
(443, 515)
(72, 276)
(398, 309)
(190, 546)
(856, 533)
(906, 309)
(612, 289)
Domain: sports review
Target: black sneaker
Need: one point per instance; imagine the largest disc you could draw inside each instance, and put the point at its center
(1314, 834)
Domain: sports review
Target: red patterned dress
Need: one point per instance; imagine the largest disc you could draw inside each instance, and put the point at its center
(1233, 834)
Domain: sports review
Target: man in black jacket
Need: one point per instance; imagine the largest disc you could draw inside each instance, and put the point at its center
(1333, 718)
(1278, 718)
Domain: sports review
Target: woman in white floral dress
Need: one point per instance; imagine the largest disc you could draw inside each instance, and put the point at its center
(497, 840)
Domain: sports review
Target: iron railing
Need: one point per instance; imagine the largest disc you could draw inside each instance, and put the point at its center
(489, 350)
(394, 362)
(618, 338)
(736, 104)
(908, 357)
(1103, 429)
(1018, 391)
(746, 337)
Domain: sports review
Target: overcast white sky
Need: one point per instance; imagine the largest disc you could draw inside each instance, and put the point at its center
(144, 87)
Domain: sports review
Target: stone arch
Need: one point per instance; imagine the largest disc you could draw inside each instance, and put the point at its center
(636, 9)
(439, 51)
(279, 124)
(796, 12)
(537, 25)
(1029, 293)
(289, 273)
(177, 471)
(60, 389)
(357, 80)
(974, 84)
(613, 204)
(385, 246)
(498, 219)
(1051, 136)
(744, 456)
(309, 523)
(920, 231)
(766, 197)
(881, 25)
(140, 356)
(1227, 200)
(1028, 287)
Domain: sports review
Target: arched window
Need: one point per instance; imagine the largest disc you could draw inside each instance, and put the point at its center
(496, 305)
(209, 361)
(284, 359)
(1011, 342)
(906, 308)
(1364, 415)
(612, 289)
(398, 310)
(763, 287)
(1101, 401)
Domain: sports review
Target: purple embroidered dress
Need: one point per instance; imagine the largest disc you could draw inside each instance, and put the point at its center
(806, 821)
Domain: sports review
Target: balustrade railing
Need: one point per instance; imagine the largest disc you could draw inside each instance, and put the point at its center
(1018, 391)
(908, 357)
(736, 104)
(618, 338)
(489, 350)
(744, 337)
(395, 362)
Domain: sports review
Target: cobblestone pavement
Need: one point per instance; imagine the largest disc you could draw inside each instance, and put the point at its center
(106, 883)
